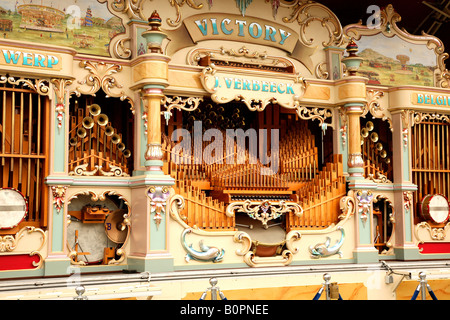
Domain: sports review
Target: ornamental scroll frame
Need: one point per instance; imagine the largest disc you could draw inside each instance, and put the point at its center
(388, 27)
(101, 196)
(374, 107)
(102, 75)
(301, 14)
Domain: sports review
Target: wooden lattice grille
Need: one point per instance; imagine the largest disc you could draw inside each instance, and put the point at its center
(24, 138)
(430, 142)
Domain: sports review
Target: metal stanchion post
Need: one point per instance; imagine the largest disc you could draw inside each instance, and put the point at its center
(422, 288)
(80, 290)
(214, 291)
(331, 289)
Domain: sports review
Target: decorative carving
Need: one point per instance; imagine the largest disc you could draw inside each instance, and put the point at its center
(59, 86)
(158, 201)
(315, 113)
(206, 253)
(407, 200)
(321, 71)
(115, 171)
(435, 233)
(244, 238)
(179, 104)
(122, 51)
(59, 194)
(9, 243)
(132, 8)
(364, 198)
(419, 117)
(284, 259)
(178, 4)
(101, 76)
(373, 106)
(322, 250)
(242, 57)
(81, 170)
(40, 86)
(381, 178)
(264, 211)
(302, 13)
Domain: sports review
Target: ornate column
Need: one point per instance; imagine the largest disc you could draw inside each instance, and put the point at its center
(404, 247)
(353, 96)
(57, 261)
(148, 243)
(355, 93)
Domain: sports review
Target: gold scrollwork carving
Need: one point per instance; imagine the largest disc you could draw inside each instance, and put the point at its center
(40, 86)
(177, 4)
(435, 233)
(302, 14)
(373, 106)
(101, 76)
(179, 103)
(9, 243)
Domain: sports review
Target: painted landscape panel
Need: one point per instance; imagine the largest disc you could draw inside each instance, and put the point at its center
(393, 61)
(84, 25)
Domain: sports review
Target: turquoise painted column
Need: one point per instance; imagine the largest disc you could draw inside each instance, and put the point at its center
(57, 261)
(149, 249)
(404, 247)
(352, 91)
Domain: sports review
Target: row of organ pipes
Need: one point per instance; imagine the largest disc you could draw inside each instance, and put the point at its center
(209, 188)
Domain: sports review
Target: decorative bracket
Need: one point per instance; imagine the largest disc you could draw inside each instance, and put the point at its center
(264, 211)
(179, 104)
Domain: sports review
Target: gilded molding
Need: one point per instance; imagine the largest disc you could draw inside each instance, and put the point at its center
(40, 86)
(9, 243)
(177, 4)
(132, 8)
(302, 14)
(264, 211)
(438, 234)
(373, 106)
(178, 103)
(101, 76)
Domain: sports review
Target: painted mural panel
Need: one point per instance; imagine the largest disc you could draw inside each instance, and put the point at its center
(394, 62)
(84, 25)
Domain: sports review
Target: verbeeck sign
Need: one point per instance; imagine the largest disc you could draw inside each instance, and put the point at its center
(252, 88)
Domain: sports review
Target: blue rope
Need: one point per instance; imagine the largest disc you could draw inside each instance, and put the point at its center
(318, 294)
(433, 296)
(416, 293)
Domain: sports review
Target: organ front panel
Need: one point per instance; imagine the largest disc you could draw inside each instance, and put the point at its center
(209, 186)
